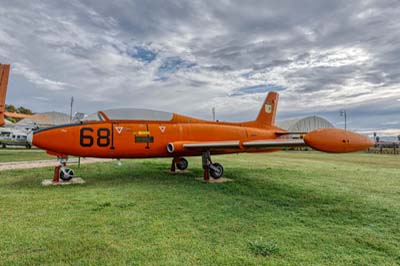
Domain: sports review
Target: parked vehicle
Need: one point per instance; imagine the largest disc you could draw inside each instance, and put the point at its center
(14, 137)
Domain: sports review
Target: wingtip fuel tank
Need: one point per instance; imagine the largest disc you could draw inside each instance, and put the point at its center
(336, 140)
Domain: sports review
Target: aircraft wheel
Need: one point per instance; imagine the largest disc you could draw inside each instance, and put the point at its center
(182, 164)
(3, 146)
(66, 174)
(28, 146)
(216, 170)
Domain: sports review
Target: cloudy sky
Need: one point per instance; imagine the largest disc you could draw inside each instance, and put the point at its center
(188, 56)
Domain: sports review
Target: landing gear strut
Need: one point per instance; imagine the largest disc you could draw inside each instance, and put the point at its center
(180, 163)
(62, 172)
(214, 169)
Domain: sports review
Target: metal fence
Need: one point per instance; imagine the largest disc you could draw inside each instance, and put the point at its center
(385, 148)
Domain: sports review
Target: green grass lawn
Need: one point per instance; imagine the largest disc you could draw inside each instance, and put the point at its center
(22, 154)
(288, 208)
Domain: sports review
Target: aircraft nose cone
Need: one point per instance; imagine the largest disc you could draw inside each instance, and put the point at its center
(30, 138)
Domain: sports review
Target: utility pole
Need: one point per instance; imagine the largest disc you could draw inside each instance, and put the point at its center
(343, 113)
(213, 113)
(72, 104)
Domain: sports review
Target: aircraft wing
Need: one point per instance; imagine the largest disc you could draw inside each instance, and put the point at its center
(282, 133)
(327, 140)
(275, 143)
(181, 146)
(212, 144)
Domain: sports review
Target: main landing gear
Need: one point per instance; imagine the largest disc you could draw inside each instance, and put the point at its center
(62, 172)
(214, 169)
(180, 163)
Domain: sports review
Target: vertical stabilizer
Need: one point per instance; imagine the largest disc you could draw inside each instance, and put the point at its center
(4, 72)
(266, 116)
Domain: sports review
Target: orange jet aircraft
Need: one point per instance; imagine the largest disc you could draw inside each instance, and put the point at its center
(141, 133)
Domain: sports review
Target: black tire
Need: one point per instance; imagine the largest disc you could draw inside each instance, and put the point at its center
(182, 164)
(28, 146)
(217, 173)
(66, 177)
(3, 145)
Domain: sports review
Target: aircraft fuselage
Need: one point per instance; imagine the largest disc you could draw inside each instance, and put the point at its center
(143, 139)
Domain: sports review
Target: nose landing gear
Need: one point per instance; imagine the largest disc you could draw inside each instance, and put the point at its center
(62, 172)
(66, 174)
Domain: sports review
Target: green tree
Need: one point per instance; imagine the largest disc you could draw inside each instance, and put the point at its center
(23, 110)
(10, 108)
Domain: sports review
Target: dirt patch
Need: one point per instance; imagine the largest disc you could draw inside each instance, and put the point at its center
(44, 163)
(75, 180)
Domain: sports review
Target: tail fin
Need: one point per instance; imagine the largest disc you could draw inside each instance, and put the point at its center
(266, 116)
(4, 72)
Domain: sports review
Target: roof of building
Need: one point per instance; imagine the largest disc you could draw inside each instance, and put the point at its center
(53, 119)
(305, 124)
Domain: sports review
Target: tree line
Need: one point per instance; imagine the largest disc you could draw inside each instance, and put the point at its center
(19, 110)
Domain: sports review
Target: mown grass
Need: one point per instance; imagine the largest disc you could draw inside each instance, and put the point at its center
(22, 154)
(298, 208)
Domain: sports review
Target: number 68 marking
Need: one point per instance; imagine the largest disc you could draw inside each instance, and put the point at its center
(87, 140)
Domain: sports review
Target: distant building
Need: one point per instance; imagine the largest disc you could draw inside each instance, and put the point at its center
(305, 124)
(53, 119)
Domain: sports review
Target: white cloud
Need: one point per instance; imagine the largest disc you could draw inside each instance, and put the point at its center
(44, 99)
(82, 48)
(34, 77)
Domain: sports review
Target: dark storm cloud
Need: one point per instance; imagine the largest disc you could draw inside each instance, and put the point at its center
(328, 55)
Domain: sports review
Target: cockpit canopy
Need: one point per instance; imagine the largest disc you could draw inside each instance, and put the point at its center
(130, 114)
